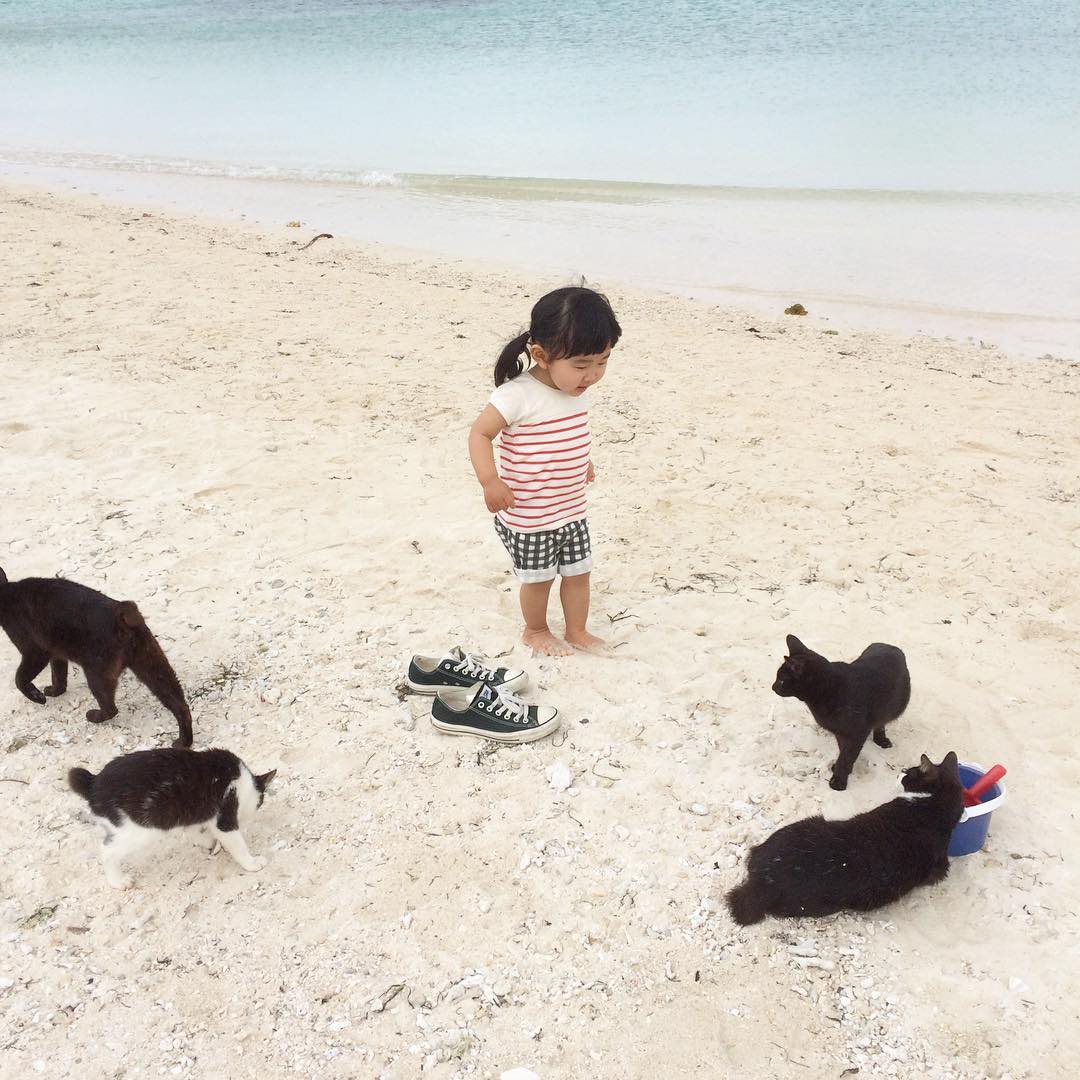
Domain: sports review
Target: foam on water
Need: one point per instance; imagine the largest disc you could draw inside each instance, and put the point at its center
(187, 167)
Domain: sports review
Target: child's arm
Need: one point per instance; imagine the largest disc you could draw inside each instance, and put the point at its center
(497, 494)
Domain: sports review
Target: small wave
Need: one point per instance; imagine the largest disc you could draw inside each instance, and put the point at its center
(526, 189)
(549, 189)
(373, 178)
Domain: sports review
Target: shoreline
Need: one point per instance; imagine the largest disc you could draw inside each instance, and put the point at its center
(524, 184)
(619, 243)
(265, 448)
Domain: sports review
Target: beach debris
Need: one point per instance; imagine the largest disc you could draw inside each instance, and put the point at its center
(603, 776)
(226, 674)
(795, 309)
(559, 776)
(321, 236)
(292, 225)
(43, 914)
(814, 962)
(378, 1004)
(17, 744)
(488, 748)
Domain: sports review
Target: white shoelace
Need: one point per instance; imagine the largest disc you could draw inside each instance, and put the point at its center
(510, 708)
(469, 666)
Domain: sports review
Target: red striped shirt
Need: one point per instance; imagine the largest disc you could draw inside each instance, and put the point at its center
(543, 454)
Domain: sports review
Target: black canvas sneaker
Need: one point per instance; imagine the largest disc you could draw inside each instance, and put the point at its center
(492, 714)
(460, 669)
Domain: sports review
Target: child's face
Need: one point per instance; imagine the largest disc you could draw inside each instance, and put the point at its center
(571, 374)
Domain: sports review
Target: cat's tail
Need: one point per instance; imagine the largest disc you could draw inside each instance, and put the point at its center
(81, 781)
(744, 906)
(152, 668)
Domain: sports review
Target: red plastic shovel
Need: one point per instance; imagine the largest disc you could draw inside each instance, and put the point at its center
(973, 794)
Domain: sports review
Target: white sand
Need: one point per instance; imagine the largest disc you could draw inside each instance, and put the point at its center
(267, 452)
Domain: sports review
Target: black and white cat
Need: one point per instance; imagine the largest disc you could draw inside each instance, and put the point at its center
(817, 867)
(210, 794)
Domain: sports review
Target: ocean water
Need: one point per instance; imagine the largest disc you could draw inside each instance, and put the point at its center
(904, 162)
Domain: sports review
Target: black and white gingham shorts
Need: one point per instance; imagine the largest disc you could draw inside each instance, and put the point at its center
(539, 556)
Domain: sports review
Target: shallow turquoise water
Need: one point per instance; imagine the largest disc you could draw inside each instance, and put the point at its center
(925, 94)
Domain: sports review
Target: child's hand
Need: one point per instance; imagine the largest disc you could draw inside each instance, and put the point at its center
(590, 476)
(498, 496)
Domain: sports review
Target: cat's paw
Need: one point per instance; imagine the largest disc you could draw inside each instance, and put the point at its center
(35, 695)
(884, 742)
(255, 864)
(55, 691)
(95, 716)
(837, 784)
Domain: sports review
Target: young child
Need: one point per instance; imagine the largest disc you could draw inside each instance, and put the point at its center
(537, 492)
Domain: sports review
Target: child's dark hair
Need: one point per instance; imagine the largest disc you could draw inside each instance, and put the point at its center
(567, 322)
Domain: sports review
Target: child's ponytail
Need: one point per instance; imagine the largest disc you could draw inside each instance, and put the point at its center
(574, 321)
(510, 363)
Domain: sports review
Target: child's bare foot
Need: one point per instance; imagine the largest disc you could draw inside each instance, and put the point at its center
(546, 643)
(582, 639)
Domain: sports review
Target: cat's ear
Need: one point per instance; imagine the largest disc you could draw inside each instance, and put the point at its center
(950, 764)
(262, 782)
(795, 646)
(925, 764)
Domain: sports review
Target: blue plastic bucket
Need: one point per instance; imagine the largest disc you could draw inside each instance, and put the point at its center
(970, 832)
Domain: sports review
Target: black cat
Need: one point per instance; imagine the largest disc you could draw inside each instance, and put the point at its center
(53, 621)
(817, 867)
(850, 700)
(211, 794)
